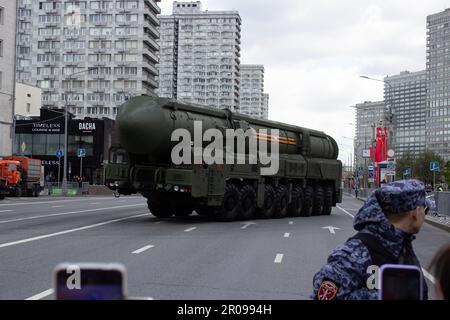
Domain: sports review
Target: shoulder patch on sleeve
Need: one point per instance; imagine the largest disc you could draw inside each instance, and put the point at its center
(327, 290)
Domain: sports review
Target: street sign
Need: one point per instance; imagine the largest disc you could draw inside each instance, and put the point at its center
(391, 153)
(59, 153)
(434, 166)
(407, 172)
(23, 147)
(390, 166)
(366, 153)
(370, 168)
(81, 153)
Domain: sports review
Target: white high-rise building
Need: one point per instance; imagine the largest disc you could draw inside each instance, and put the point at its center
(437, 136)
(252, 97)
(406, 96)
(265, 109)
(200, 53)
(7, 73)
(89, 55)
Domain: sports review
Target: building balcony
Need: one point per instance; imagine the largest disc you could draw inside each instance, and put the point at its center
(151, 82)
(151, 56)
(152, 19)
(151, 29)
(152, 6)
(150, 68)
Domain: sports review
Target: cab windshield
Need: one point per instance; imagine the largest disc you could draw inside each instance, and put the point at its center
(118, 156)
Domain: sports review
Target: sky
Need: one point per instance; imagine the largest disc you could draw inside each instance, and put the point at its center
(314, 52)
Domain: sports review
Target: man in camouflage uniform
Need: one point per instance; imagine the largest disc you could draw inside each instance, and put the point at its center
(386, 225)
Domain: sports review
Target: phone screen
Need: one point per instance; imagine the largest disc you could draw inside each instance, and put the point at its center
(94, 284)
(401, 283)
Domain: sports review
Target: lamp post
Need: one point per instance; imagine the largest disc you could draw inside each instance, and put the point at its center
(64, 182)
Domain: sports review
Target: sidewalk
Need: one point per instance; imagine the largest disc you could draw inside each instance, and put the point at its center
(439, 221)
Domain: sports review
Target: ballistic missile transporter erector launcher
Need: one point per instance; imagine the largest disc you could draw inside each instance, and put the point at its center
(307, 182)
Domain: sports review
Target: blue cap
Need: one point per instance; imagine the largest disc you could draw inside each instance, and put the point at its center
(402, 196)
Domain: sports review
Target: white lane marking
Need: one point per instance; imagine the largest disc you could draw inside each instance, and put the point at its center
(45, 236)
(66, 213)
(41, 295)
(5, 210)
(287, 235)
(55, 201)
(248, 224)
(345, 211)
(158, 222)
(57, 206)
(291, 222)
(143, 249)
(190, 229)
(331, 229)
(429, 276)
(279, 258)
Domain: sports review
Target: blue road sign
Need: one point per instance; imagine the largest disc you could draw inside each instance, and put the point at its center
(434, 166)
(81, 153)
(370, 168)
(59, 153)
(407, 172)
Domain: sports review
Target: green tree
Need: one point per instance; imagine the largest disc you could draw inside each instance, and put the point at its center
(406, 161)
(421, 168)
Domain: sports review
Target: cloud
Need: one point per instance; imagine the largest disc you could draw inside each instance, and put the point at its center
(315, 50)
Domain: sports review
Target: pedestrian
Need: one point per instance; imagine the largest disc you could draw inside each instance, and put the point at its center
(356, 190)
(440, 266)
(386, 226)
(49, 182)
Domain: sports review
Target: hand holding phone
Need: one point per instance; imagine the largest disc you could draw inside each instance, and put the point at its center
(90, 281)
(400, 282)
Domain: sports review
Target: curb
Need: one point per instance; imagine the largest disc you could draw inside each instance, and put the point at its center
(438, 225)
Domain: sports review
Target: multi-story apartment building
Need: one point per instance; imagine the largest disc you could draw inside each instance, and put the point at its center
(265, 109)
(437, 136)
(406, 94)
(24, 34)
(200, 56)
(7, 73)
(89, 55)
(369, 116)
(252, 90)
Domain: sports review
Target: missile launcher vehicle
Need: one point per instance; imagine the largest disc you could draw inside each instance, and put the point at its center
(306, 180)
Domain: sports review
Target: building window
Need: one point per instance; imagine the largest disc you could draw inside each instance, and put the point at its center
(1, 48)
(28, 107)
(2, 10)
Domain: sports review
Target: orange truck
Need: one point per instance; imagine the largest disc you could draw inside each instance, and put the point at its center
(20, 176)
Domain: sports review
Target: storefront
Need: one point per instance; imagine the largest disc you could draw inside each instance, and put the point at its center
(42, 137)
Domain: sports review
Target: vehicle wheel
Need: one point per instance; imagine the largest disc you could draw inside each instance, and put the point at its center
(295, 207)
(203, 211)
(267, 211)
(307, 201)
(318, 201)
(230, 207)
(182, 211)
(281, 202)
(17, 192)
(248, 203)
(159, 207)
(328, 201)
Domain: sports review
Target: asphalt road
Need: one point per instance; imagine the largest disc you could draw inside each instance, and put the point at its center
(188, 258)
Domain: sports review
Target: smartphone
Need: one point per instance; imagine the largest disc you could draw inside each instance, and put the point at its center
(90, 281)
(400, 282)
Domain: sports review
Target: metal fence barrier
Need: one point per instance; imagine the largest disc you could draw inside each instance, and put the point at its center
(442, 200)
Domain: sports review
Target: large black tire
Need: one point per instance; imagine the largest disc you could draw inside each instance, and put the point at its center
(17, 192)
(281, 202)
(248, 203)
(328, 201)
(230, 207)
(182, 211)
(203, 211)
(159, 206)
(296, 205)
(267, 211)
(318, 201)
(308, 193)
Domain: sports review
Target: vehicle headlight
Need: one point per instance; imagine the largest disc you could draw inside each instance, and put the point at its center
(176, 188)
